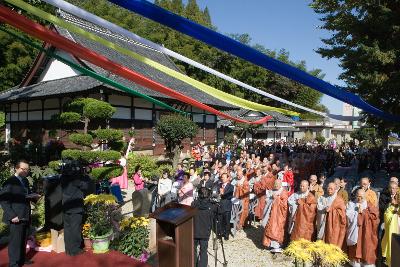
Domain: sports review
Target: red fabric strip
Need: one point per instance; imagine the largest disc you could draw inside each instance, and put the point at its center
(32, 28)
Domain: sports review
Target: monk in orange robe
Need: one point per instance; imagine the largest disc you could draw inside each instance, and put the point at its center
(331, 217)
(262, 183)
(362, 232)
(275, 216)
(302, 213)
(370, 195)
(315, 188)
(259, 191)
(242, 192)
(249, 170)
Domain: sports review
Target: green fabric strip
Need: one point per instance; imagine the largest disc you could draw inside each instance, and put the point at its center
(94, 74)
(228, 98)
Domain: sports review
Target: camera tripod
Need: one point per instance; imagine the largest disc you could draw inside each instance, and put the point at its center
(217, 237)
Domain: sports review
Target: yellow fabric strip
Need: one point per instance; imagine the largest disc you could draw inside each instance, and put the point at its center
(228, 98)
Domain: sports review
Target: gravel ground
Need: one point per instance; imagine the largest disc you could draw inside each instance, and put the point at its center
(246, 249)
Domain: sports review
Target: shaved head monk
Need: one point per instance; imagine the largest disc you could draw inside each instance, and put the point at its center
(315, 188)
(362, 231)
(331, 217)
(275, 215)
(302, 212)
(370, 195)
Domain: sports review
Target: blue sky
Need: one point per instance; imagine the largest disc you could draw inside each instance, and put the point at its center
(288, 24)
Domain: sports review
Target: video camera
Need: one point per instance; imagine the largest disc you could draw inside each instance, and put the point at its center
(215, 196)
(72, 167)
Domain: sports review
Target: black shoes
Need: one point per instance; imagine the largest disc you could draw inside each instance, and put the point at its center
(28, 262)
(76, 253)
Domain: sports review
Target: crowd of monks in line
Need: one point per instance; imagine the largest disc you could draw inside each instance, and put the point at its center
(317, 211)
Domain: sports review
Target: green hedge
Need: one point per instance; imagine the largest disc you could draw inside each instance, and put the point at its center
(91, 156)
(105, 173)
(81, 139)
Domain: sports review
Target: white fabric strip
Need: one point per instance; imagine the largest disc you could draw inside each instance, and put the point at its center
(83, 14)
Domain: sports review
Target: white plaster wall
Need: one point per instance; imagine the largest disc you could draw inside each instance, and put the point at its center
(14, 116)
(35, 115)
(119, 100)
(51, 103)
(57, 70)
(143, 114)
(139, 102)
(22, 116)
(122, 113)
(48, 113)
(35, 104)
(210, 119)
(198, 118)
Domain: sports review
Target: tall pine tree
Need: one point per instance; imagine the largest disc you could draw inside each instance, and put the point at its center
(366, 39)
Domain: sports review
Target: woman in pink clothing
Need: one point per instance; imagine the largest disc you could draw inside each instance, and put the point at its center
(121, 180)
(186, 192)
(138, 179)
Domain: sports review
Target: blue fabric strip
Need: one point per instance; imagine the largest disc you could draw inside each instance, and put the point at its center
(236, 48)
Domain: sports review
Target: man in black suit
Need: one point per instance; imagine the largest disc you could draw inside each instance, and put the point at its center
(203, 221)
(226, 194)
(14, 199)
(206, 181)
(74, 184)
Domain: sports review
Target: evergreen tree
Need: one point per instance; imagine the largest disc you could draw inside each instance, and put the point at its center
(207, 17)
(16, 59)
(177, 7)
(366, 38)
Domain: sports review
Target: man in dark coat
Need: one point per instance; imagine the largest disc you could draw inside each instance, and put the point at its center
(226, 194)
(74, 184)
(202, 225)
(206, 181)
(15, 200)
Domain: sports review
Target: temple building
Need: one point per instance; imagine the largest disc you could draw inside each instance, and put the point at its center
(49, 84)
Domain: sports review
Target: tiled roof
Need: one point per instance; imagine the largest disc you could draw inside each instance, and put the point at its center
(82, 83)
(253, 116)
(49, 88)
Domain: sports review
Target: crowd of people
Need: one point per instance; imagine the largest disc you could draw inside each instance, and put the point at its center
(285, 188)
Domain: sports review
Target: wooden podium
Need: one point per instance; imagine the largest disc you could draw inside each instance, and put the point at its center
(395, 250)
(175, 245)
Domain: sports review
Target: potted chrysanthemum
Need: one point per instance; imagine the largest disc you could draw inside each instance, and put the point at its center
(99, 211)
(319, 254)
(86, 238)
(133, 239)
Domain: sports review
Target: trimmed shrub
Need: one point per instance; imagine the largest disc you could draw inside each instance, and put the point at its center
(106, 173)
(81, 139)
(147, 163)
(96, 109)
(109, 135)
(69, 117)
(91, 156)
(118, 146)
